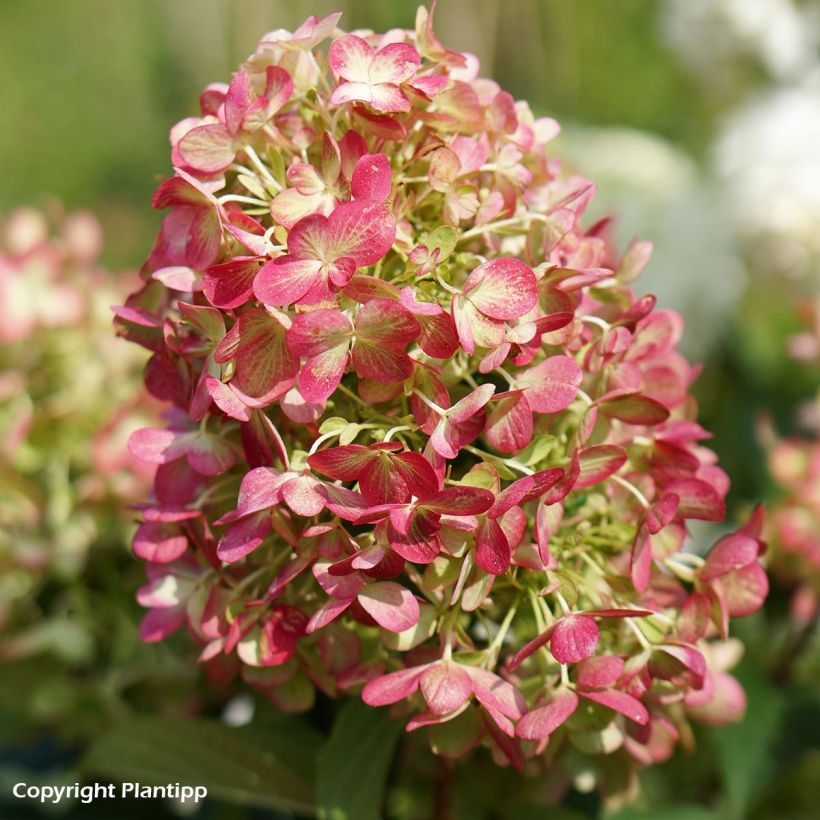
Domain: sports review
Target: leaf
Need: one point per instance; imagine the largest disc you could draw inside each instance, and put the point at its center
(233, 767)
(354, 763)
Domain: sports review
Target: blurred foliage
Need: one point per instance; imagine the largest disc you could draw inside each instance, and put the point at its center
(91, 90)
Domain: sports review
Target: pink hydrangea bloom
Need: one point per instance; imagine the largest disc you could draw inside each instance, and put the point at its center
(416, 397)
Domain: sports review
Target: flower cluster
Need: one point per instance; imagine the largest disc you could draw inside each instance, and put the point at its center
(426, 444)
(66, 410)
(794, 464)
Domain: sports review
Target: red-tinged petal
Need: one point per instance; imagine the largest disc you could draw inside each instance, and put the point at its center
(492, 551)
(237, 101)
(321, 374)
(524, 489)
(391, 605)
(470, 404)
(260, 489)
(395, 63)
(553, 384)
(243, 537)
(352, 92)
(732, 552)
(179, 278)
(157, 446)
(345, 462)
(364, 231)
(574, 638)
(446, 686)
(438, 336)
(304, 495)
(210, 455)
(327, 613)
(230, 284)
(615, 612)
(604, 670)
(633, 408)
(285, 280)
(226, 400)
(744, 590)
(541, 722)
(393, 687)
(372, 178)
(392, 479)
(680, 663)
(640, 560)
(460, 501)
(381, 364)
(726, 706)
(291, 206)
(388, 98)
(314, 333)
(293, 569)
(350, 57)
(620, 702)
(695, 617)
(158, 624)
(529, 648)
(509, 423)
(661, 513)
(420, 544)
(496, 694)
(598, 463)
(698, 500)
(502, 288)
(159, 542)
(344, 503)
(387, 323)
(207, 148)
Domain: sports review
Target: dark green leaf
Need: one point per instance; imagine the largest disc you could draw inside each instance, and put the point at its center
(354, 763)
(233, 765)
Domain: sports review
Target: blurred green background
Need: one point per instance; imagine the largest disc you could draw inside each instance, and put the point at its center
(669, 106)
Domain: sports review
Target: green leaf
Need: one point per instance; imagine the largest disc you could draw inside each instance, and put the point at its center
(354, 763)
(744, 749)
(235, 766)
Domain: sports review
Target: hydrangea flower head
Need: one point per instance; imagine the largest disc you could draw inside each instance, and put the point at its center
(427, 445)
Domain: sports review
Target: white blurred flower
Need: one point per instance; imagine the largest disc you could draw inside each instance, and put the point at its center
(768, 160)
(655, 190)
(711, 35)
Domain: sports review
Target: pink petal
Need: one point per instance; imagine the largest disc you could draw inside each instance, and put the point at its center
(393, 687)
(318, 331)
(304, 495)
(243, 537)
(388, 98)
(346, 462)
(372, 178)
(730, 553)
(542, 721)
(620, 702)
(460, 501)
(509, 424)
(160, 623)
(640, 561)
(553, 384)
(574, 638)
(157, 446)
(470, 404)
(210, 454)
(601, 671)
(698, 499)
(492, 551)
(260, 489)
(395, 63)
(159, 542)
(363, 231)
(327, 613)
(494, 693)
(230, 284)
(446, 686)
(285, 280)
(744, 590)
(502, 288)
(634, 408)
(207, 148)
(350, 57)
(598, 463)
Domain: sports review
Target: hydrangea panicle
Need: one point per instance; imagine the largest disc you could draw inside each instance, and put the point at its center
(428, 444)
